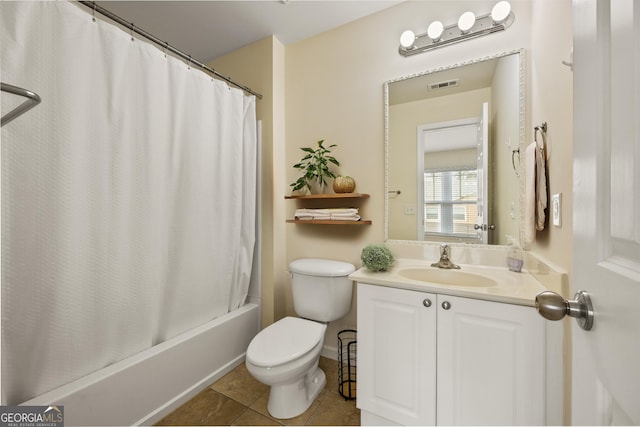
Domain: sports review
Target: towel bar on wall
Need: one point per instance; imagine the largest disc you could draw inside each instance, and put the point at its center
(542, 129)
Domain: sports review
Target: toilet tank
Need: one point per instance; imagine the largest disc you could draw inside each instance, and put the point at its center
(321, 288)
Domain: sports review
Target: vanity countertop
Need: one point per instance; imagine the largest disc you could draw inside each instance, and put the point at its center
(512, 288)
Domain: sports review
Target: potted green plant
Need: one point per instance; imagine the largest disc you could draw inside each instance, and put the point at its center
(377, 257)
(315, 167)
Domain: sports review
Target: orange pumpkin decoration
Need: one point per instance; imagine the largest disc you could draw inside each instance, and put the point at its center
(344, 184)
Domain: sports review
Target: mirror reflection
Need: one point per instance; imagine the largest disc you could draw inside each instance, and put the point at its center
(452, 144)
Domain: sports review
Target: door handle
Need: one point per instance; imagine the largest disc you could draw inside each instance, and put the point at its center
(484, 227)
(553, 306)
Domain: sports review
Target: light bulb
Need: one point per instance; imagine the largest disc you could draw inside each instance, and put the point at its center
(500, 11)
(407, 39)
(435, 30)
(466, 21)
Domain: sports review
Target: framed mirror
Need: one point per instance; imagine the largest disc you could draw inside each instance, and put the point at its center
(453, 138)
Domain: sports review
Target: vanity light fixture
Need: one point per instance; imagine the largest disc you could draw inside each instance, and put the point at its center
(501, 12)
(407, 39)
(466, 21)
(435, 30)
(468, 27)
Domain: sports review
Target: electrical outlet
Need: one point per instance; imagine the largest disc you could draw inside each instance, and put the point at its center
(556, 210)
(409, 209)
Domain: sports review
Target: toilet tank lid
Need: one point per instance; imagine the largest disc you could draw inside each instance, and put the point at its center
(321, 267)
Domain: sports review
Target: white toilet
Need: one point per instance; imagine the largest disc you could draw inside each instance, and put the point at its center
(285, 354)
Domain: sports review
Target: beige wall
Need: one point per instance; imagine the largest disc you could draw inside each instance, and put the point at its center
(505, 136)
(333, 90)
(551, 95)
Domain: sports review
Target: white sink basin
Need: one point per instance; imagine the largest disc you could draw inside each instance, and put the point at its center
(447, 277)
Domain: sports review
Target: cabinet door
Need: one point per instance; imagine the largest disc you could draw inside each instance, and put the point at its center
(396, 354)
(490, 363)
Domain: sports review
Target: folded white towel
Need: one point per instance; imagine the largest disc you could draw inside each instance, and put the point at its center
(330, 211)
(337, 214)
(328, 218)
(323, 217)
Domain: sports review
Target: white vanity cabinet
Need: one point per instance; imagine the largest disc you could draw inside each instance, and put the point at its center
(434, 359)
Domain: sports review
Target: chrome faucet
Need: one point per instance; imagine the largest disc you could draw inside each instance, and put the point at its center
(445, 262)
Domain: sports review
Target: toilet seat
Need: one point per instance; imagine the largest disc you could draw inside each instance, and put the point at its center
(284, 341)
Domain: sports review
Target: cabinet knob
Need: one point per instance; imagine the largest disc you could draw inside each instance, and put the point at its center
(446, 305)
(426, 302)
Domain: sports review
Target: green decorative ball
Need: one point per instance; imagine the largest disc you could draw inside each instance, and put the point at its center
(377, 257)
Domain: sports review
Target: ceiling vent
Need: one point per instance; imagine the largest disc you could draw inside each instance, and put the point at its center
(442, 85)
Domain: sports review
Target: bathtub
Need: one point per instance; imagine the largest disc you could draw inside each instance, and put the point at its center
(145, 387)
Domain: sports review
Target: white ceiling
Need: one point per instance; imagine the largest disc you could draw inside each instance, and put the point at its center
(208, 29)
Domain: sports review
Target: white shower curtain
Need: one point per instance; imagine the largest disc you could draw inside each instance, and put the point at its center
(128, 197)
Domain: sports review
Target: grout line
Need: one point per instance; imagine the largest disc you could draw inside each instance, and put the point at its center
(238, 417)
(320, 399)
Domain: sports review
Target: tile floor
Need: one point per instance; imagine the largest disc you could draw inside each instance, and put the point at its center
(237, 399)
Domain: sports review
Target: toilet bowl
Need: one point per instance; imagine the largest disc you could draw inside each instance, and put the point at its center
(285, 355)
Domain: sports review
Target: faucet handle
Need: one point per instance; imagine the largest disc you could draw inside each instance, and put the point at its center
(445, 261)
(444, 249)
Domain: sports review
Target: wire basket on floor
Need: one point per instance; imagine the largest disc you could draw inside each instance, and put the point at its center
(347, 349)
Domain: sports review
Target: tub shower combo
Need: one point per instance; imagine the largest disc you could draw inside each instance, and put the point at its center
(129, 212)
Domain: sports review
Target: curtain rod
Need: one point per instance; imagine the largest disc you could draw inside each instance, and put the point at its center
(96, 8)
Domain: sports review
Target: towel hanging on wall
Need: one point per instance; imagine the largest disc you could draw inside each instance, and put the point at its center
(536, 198)
(541, 188)
(530, 193)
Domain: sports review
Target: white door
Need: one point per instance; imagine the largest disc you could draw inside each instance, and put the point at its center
(606, 360)
(455, 204)
(483, 175)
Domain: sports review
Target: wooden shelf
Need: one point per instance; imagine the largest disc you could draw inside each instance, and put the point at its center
(328, 222)
(329, 196)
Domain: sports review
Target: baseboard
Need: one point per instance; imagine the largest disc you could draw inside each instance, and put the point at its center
(329, 352)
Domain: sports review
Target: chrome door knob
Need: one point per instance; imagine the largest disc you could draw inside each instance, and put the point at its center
(426, 302)
(446, 305)
(484, 227)
(553, 306)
